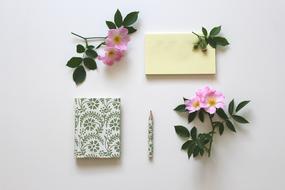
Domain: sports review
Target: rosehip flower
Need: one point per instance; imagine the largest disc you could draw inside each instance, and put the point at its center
(118, 38)
(111, 55)
(213, 100)
(193, 104)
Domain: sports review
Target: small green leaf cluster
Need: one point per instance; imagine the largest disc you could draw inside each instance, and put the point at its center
(126, 22)
(212, 38)
(198, 143)
(80, 64)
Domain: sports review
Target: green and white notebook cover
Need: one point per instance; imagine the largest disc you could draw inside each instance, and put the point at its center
(97, 127)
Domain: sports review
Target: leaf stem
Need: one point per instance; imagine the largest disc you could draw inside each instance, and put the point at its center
(196, 34)
(88, 38)
(212, 134)
(78, 35)
(96, 37)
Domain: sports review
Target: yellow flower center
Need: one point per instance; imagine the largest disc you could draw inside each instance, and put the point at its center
(111, 53)
(196, 104)
(117, 39)
(212, 101)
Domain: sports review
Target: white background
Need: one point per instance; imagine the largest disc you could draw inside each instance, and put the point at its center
(37, 96)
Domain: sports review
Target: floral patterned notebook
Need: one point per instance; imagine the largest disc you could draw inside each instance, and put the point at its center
(97, 127)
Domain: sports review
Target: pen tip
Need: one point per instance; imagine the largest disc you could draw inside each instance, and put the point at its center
(150, 113)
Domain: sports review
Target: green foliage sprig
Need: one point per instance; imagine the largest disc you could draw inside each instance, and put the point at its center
(199, 143)
(126, 22)
(212, 38)
(86, 60)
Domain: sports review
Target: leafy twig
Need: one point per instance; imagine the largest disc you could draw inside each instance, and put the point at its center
(210, 38)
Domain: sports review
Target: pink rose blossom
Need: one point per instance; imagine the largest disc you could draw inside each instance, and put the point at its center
(111, 55)
(118, 38)
(206, 98)
(194, 104)
(212, 100)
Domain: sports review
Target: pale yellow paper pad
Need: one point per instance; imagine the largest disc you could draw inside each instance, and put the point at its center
(174, 54)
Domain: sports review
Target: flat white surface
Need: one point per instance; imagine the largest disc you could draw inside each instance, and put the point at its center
(37, 93)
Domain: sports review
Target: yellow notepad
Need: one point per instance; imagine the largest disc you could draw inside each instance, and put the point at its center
(174, 54)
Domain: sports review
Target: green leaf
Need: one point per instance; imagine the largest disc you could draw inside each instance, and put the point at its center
(212, 42)
(205, 32)
(241, 105)
(186, 145)
(103, 43)
(201, 115)
(230, 125)
(204, 138)
(201, 152)
(80, 48)
(118, 18)
(222, 113)
(196, 151)
(181, 108)
(199, 142)
(231, 107)
(221, 128)
(191, 116)
(111, 25)
(191, 149)
(90, 47)
(131, 18)
(221, 41)
(215, 31)
(74, 62)
(239, 119)
(182, 131)
(131, 30)
(91, 53)
(79, 75)
(90, 63)
(194, 133)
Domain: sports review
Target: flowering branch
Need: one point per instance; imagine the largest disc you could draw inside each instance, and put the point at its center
(115, 46)
(211, 103)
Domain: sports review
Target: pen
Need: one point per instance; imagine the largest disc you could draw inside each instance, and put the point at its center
(150, 135)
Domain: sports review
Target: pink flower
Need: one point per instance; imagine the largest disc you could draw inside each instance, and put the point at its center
(206, 98)
(111, 55)
(194, 104)
(201, 94)
(212, 99)
(118, 38)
